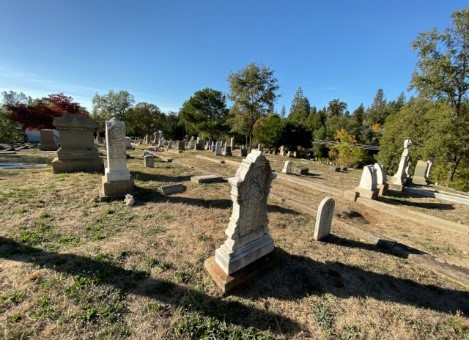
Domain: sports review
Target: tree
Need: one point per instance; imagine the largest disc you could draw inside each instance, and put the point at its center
(443, 74)
(252, 91)
(300, 108)
(14, 98)
(295, 136)
(144, 118)
(40, 113)
(377, 112)
(347, 153)
(206, 112)
(267, 130)
(112, 104)
(335, 117)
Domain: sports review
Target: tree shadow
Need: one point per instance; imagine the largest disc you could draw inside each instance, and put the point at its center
(148, 177)
(424, 205)
(296, 277)
(140, 283)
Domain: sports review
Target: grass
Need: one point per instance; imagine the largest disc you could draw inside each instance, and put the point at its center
(74, 268)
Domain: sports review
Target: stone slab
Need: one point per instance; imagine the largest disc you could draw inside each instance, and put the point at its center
(371, 194)
(228, 282)
(207, 179)
(68, 166)
(300, 170)
(383, 189)
(172, 189)
(115, 189)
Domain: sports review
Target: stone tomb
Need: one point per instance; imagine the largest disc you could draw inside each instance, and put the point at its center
(368, 186)
(47, 140)
(248, 243)
(420, 173)
(322, 228)
(116, 181)
(381, 179)
(77, 152)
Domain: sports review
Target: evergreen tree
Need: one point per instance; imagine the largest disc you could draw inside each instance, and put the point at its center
(300, 108)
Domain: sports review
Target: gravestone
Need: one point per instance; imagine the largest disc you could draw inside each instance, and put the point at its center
(368, 186)
(116, 181)
(171, 189)
(282, 151)
(420, 173)
(232, 143)
(128, 143)
(322, 228)
(287, 167)
(205, 179)
(180, 145)
(228, 152)
(149, 161)
(248, 239)
(429, 169)
(47, 140)
(218, 148)
(243, 152)
(191, 143)
(77, 151)
(401, 178)
(300, 170)
(199, 145)
(381, 179)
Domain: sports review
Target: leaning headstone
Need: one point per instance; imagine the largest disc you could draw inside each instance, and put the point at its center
(368, 186)
(149, 161)
(381, 179)
(420, 173)
(116, 181)
(401, 178)
(287, 167)
(322, 228)
(248, 244)
(77, 151)
(47, 140)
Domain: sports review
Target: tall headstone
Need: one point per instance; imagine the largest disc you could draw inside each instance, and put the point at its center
(181, 145)
(228, 152)
(401, 178)
(429, 169)
(77, 152)
(420, 173)
(287, 167)
(116, 181)
(368, 186)
(218, 148)
(381, 179)
(248, 235)
(322, 228)
(232, 143)
(48, 140)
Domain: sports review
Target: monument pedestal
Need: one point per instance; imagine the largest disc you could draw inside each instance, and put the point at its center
(383, 189)
(77, 165)
(227, 282)
(115, 189)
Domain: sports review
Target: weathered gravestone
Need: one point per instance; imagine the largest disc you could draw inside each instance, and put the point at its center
(149, 161)
(180, 145)
(381, 179)
(368, 187)
(401, 178)
(248, 239)
(420, 173)
(287, 167)
(77, 152)
(228, 152)
(47, 140)
(322, 228)
(243, 152)
(218, 148)
(116, 181)
(128, 143)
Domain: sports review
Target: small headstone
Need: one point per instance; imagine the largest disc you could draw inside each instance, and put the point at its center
(243, 152)
(322, 228)
(48, 140)
(149, 161)
(202, 179)
(172, 189)
(420, 173)
(128, 143)
(181, 145)
(287, 167)
(368, 186)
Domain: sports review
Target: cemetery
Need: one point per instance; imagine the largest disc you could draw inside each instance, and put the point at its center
(244, 248)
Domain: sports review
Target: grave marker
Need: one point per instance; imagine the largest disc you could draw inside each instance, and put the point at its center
(322, 228)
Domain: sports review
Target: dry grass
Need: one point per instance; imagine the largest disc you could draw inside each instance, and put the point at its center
(74, 268)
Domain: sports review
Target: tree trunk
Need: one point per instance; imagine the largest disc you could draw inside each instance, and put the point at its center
(452, 170)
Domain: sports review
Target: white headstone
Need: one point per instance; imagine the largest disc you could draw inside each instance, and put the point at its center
(381, 177)
(287, 167)
(115, 149)
(401, 176)
(368, 180)
(323, 224)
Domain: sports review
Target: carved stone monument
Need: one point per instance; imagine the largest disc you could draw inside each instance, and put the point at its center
(77, 152)
(116, 181)
(248, 239)
(322, 228)
(368, 186)
(401, 178)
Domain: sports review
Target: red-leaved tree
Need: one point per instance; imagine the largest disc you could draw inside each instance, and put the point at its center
(40, 113)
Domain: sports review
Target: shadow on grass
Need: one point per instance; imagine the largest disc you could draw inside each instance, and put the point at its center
(145, 195)
(294, 277)
(29, 159)
(146, 177)
(140, 283)
(425, 205)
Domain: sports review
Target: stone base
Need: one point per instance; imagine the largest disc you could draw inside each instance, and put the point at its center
(371, 194)
(48, 147)
(116, 189)
(383, 189)
(68, 166)
(396, 187)
(419, 180)
(301, 170)
(351, 195)
(228, 282)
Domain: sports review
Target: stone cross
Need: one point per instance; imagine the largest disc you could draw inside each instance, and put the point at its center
(322, 229)
(248, 234)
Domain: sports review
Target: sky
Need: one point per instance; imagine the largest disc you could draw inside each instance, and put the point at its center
(163, 51)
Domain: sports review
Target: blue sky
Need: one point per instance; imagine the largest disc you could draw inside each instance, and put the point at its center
(163, 51)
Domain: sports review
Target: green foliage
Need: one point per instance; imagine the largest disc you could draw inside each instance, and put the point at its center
(267, 130)
(300, 108)
(253, 92)
(347, 153)
(144, 118)
(112, 104)
(9, 131)
(206, 113)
